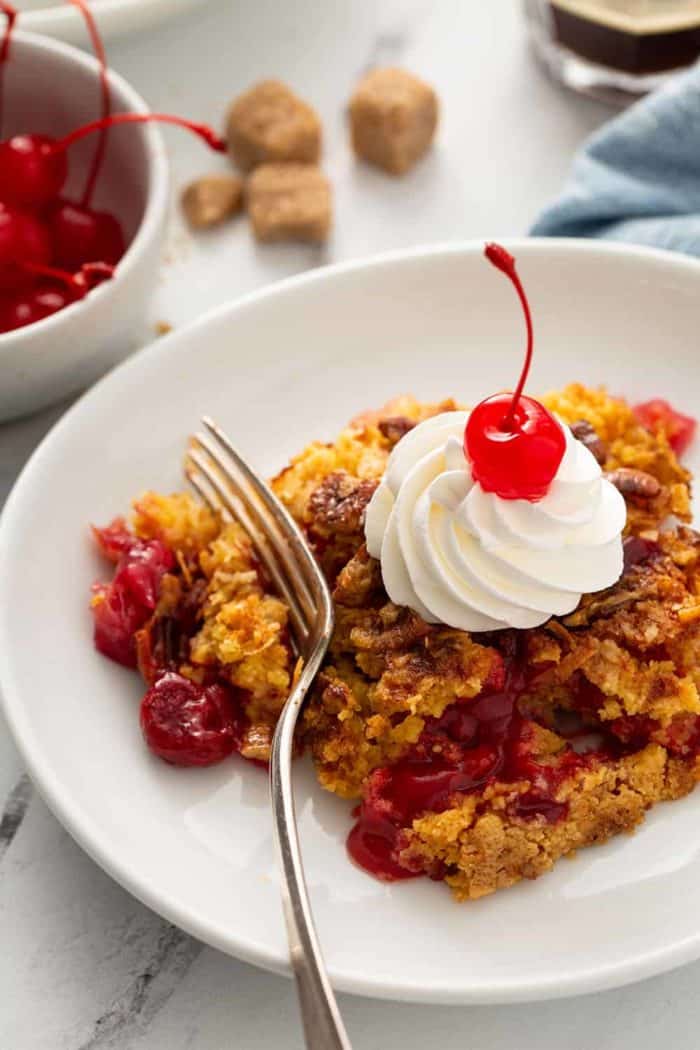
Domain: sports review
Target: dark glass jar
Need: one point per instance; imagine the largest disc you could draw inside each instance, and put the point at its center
(617, 49)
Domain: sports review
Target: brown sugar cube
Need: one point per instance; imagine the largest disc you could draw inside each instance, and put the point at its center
(393, 116)
(269, 124)
(212, 199)
(289, 202)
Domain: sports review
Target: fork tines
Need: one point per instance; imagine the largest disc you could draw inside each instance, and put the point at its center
(229, 486)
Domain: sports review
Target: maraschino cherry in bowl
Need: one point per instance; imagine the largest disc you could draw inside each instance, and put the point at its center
(53, 89)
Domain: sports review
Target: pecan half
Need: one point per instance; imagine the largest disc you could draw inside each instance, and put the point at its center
(338, 503)
(631, 482)
(606, 606)
(585, 433)
(395, 427)
(257, 743)
(391, 629)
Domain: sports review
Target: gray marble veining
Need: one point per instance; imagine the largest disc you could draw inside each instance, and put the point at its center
(14, 811)
(149, 990)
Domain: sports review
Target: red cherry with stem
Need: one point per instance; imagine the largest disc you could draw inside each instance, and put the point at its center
(32, 172)
(23, 240)
(57, 289)
(33, 168)
(28, 307)
(513, 443)
(80, 234)
(89, 276)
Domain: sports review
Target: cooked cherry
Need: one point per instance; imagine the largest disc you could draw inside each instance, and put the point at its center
(658, 414)
(123, 606)
(513, 443)
(114, 539)
(189, 724)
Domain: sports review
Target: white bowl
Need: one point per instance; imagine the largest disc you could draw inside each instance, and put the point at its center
(114, 17)
(52, 88)
(279, 368)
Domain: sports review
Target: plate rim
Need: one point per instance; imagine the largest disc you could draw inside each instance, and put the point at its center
(87, 834)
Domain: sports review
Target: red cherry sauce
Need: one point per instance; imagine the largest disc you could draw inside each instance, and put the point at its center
(474, 743)
(125, 604)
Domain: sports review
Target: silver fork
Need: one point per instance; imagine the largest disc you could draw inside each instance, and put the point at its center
(227, 484)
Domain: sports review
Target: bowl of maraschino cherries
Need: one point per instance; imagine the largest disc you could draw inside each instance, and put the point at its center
(83, 205)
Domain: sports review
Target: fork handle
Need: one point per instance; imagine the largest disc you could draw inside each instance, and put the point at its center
(323, 1025)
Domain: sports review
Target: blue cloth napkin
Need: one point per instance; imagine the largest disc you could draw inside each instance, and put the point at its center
(638, 178)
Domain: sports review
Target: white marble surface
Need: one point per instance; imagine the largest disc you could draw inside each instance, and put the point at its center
(82, 965)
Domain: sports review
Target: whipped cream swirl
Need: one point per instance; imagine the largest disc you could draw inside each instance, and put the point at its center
(468, 558)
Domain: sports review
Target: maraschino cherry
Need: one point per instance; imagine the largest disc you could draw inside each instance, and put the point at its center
(32, 172)
(80, 233)
(23, 240)
(513, 443)
(34, 168)
(33, 305)
(55, 290)
(53, 250)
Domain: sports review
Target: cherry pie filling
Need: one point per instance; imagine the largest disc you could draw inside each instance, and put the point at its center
(475, 743)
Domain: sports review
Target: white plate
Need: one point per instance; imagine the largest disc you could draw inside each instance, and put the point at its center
(114, 17)
(277, 369)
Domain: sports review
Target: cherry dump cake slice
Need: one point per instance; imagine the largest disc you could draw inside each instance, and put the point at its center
(476, 759)
(513, 671)
(481, 759)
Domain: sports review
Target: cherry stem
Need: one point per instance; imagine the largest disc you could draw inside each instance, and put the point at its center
(10, 14)
(98, 48)
(504, 261)
(207, 134)
(80, 283)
